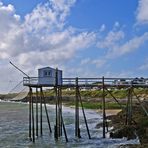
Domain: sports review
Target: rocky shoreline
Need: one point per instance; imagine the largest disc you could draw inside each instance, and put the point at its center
(137, 128)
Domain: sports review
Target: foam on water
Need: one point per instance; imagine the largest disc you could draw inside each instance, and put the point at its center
(14, 129)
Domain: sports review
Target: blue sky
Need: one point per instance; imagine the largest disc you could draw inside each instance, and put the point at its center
(85, 38)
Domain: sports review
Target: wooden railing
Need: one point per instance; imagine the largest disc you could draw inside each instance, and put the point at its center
(90, 82)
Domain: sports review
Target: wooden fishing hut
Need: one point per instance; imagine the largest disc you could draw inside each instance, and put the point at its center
(50, 77)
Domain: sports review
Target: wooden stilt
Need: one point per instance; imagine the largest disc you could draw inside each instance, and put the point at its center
(130, 106)
(37, 112)
(46, 111)
(56, 128)
(56, 125)
(114, 98)
(64, 129)
(30, 91)
(33, 132)
(61, 111)
(77, 129)
(103, 107)
(41, 118)
(85, 120)
(144, 109)
(127, 104)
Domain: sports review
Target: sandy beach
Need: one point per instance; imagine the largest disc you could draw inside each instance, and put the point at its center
(110, 111)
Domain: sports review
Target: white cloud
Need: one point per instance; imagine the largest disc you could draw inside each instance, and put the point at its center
(62, 52)
(51, 16)
(99, 62)
(111, 39)
(62, 7)
(129, 46)
(115, 45)
(144, 66)
(10, 31)
(80, 72)
(41, 38)
(7, 18)
(85, 61)
(142, 12)
(102, 28)
(117, 24)
(41, 33)
(119, 74)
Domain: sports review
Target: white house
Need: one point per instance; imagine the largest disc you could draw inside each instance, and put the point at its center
(47, 76)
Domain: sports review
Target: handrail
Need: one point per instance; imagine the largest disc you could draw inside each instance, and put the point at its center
(115, 82)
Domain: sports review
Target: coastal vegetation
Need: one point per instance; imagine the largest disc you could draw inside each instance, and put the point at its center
(92, 99)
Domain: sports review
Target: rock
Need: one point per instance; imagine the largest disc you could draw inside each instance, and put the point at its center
(126, 131)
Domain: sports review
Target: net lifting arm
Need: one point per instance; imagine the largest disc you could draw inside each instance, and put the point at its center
(19, 69)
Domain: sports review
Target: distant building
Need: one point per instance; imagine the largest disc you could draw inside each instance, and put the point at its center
(138, 81)
(120, 82)
(47, 76)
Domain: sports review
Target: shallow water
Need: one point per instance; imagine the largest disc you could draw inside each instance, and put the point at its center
(14, 129)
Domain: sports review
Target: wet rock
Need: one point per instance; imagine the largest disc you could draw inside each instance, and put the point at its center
(124, 132)
(99, 125)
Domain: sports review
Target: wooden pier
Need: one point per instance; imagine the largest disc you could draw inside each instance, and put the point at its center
(104, 84)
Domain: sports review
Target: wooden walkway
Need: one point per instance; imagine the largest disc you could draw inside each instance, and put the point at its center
(103, 84)
(90, 82)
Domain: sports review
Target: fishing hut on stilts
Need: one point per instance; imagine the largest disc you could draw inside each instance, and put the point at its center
(49, 77)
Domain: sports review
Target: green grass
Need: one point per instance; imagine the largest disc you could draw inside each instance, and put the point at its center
(112, 105)
(91, 105)
(96, 93)
(118, 93)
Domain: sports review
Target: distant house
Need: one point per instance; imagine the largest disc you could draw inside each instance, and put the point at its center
(120, 82)
(47, 76)
(146, 82)
(138, 81)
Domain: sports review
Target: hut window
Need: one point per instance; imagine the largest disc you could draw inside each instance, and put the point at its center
(47, 73)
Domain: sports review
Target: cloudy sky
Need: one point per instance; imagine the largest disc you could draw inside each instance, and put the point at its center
(85, 38)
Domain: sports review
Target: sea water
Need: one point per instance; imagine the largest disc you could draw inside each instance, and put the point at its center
(14, 129)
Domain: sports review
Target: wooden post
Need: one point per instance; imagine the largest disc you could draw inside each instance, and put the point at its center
(144, 109)
(41, 118)
(103, 105)
(56, 92)
(64, 129)
(37, 112)
(130, 105)
(84, 116)
(59, 115)
(56, 125)
(115, 98)
(60, 110)
(30, 91)
(128, 108)
(43, 97)
(127, 104)
(33, 133)
(77, 129)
